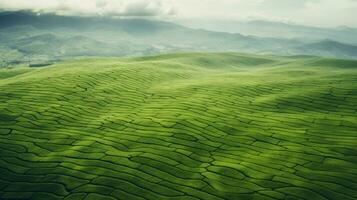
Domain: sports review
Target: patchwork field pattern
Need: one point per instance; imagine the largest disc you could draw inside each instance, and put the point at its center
(180, 126)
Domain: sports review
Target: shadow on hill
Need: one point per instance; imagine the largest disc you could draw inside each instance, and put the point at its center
(339, 63)
(214, 60)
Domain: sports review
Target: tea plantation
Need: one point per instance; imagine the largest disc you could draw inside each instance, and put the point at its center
(180, 126)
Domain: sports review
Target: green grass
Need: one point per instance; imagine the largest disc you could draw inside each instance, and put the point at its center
(180, 126)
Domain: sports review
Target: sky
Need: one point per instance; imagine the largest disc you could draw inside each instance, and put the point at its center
(322, 13)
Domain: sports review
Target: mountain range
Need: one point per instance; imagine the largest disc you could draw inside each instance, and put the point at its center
(29, 37)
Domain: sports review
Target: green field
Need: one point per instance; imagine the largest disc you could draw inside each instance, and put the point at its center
(180, 126)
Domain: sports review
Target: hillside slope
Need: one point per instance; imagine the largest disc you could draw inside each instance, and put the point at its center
(180, 126)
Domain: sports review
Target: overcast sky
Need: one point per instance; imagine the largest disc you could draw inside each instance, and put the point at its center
(308, 12)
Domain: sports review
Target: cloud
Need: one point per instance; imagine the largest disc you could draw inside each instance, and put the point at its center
(118, 8)
(308, 12)
(327, 13)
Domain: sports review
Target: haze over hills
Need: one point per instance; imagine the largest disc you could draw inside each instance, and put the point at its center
(27, 37)
(285, 30)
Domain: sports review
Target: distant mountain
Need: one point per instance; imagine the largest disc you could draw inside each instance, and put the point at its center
(25, 36)
(276, 29)
(280, 30)
(329, 48)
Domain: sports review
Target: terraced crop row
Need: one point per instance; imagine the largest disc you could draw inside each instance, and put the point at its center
(189, 126)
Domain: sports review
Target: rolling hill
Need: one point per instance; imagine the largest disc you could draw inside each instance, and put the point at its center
(180, 126)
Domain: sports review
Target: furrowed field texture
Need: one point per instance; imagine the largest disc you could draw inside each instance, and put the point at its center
(180, 126)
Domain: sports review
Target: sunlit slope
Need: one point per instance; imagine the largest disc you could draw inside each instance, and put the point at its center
(180, 126)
